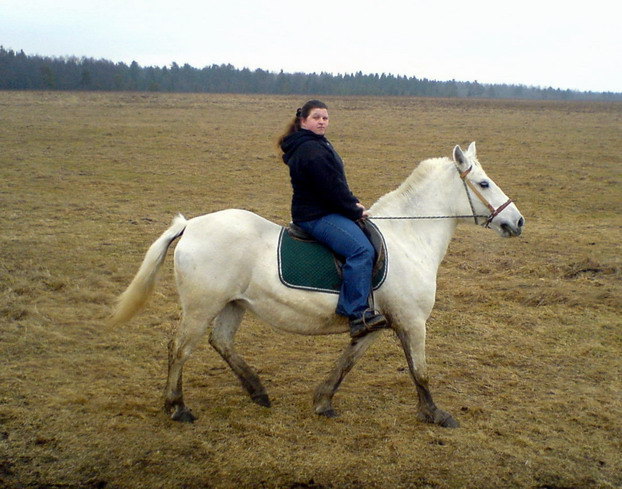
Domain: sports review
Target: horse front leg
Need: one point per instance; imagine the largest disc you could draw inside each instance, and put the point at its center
(413, 343)
(323, 398)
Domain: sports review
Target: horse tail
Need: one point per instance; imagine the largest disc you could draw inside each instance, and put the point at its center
(135, 296)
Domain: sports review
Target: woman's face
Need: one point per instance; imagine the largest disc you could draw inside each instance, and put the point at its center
(316, 122)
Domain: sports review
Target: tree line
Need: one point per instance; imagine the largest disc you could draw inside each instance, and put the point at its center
(19, 71)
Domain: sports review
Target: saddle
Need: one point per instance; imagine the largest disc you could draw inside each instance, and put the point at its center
(304, 263)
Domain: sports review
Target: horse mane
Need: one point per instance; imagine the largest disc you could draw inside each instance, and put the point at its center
(422, 172)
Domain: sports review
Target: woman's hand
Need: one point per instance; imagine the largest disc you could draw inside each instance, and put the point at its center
(365, 213)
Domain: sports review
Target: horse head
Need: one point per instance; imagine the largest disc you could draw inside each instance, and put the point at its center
(485, 197)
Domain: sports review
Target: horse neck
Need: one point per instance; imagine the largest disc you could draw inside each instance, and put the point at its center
(429, 191)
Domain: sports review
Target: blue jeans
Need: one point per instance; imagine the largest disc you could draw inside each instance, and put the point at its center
(347, 239)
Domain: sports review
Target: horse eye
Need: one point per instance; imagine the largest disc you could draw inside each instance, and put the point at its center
(484, 184)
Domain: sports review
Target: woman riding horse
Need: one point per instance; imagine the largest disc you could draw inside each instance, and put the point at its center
(324, 206)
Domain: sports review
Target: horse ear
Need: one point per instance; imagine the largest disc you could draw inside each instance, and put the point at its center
(472, 150)
(459, 157)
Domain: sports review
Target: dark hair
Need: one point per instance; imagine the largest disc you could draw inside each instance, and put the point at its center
(301, 113)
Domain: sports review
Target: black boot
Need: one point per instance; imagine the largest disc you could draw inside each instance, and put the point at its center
(367, 322)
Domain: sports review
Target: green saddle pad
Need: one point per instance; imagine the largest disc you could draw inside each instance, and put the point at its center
(312, 266)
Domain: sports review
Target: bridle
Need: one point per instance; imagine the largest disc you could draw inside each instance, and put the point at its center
(467, 185)
(470, 185)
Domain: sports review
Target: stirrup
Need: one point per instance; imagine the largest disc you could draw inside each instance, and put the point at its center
(370, 320)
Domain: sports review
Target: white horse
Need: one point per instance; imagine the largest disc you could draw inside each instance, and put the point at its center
(226, 263)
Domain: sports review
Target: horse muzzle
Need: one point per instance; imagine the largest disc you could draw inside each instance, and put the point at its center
(508, 229)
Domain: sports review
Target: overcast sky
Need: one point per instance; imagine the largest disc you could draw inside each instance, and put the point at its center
(558, 43)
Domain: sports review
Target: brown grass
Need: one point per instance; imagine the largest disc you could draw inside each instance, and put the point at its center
(524, 344)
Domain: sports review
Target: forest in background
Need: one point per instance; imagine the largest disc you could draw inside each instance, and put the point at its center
(523, 344)
(19, 71)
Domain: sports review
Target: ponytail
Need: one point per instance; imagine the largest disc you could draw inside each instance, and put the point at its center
(301, 113)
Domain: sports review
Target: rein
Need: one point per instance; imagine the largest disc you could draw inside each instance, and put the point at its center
(427, 217)
(467, 185)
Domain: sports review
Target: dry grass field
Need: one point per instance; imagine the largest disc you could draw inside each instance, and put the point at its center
(524, 345)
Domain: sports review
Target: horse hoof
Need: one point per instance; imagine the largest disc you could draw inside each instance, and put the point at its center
(440, 418)
(183, 415)
(262, 400)
(329, 413)
(449, 422)
(446, 420)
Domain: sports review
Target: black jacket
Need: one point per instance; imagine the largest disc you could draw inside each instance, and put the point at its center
(318, 178)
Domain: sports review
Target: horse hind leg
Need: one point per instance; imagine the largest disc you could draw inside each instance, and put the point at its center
(222, 337)
(191, 330)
